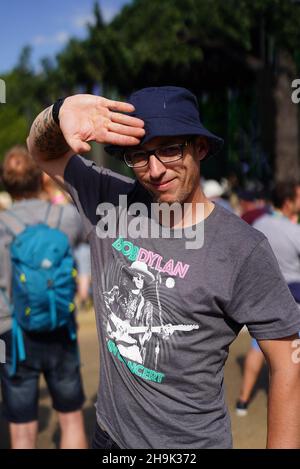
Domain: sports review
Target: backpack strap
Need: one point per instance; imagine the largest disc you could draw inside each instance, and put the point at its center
(15, 225)
(12, 222)
(53, 215)
(52, 305)
(18, 349)
(6, 299)
(72, 329)
(53, 219)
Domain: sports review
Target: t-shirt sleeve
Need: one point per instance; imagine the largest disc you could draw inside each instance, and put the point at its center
(89, 185)
(261, 298)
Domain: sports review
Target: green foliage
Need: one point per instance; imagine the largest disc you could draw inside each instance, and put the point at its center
(23, 96)
(209, 46)
(188, 41)
(13, 128)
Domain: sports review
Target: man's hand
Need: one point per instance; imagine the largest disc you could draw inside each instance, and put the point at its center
(84, 118)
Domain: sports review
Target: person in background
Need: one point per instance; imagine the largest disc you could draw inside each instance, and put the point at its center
(215, 192)
(82, 254)
(252, 205)
(284, 237)
(53, 193)
(53, 353)
(5, 200)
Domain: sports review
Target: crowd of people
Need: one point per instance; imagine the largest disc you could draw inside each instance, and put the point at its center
(166, 315)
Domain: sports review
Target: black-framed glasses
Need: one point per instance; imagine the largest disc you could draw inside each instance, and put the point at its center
(165, 154)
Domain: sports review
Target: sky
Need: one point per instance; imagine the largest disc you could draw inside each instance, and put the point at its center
(45, 25)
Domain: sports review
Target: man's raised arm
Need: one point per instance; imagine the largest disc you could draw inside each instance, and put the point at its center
(82, 118)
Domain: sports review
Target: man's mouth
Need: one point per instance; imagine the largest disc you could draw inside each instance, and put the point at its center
(162, 185)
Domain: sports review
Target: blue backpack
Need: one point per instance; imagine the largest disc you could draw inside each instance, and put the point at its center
(43, 278)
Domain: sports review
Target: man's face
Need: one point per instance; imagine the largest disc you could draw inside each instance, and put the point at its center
(177, 181)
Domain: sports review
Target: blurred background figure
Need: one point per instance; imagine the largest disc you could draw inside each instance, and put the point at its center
(217, 193)
(5, 200)
(252, 204)
(82, 254)
(53, 352)
(283, 233)
(54, 194)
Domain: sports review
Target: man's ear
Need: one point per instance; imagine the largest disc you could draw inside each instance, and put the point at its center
(202, 147)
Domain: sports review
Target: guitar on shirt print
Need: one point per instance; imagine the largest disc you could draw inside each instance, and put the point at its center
(122, 330)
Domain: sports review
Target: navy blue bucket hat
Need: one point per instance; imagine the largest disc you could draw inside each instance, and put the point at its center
(169, 111)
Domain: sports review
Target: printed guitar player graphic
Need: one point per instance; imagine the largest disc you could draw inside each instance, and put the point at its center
(120, 330)
(130, 315)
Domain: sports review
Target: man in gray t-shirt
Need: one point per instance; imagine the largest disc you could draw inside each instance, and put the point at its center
(167, 311)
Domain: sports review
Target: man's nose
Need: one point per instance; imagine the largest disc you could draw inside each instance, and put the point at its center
(156, 168)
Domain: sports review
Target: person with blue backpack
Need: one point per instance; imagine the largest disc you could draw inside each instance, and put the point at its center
(37, 322)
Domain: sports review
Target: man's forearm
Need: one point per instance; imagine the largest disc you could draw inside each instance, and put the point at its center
(284, 411)
(46, 140)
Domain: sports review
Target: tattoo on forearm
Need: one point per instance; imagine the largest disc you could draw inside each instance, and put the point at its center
(48, 137)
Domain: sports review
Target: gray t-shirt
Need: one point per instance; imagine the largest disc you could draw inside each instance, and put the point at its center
(32, 211)
(161, 390)
(284, 238)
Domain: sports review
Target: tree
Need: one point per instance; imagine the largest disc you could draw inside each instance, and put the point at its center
(24, 94)
(215, 47)
(239, 58)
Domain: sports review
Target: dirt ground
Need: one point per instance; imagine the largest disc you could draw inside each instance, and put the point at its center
(248, 432)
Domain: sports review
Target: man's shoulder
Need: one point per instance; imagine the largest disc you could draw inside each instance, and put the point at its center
(27, 211)
(19, 205)
(235, 232)
(18, 215)
(69, 217)
(95, 183)
(68, 210)
(35, 211)
(78, 161)
(234, 223)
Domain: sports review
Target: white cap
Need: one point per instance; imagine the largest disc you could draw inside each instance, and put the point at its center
(212, 188)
